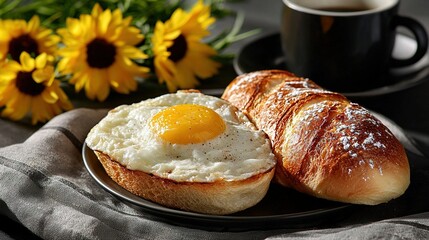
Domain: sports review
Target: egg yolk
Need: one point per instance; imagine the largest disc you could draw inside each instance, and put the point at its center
(187, 124)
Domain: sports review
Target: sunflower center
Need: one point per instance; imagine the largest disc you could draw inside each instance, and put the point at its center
(22, 43)
(100, 53)
(178, 49)
(26, 84)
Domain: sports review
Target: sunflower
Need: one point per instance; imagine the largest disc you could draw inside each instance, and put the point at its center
(99, 52)
(29, 86)
(17, 36)
(180, 56)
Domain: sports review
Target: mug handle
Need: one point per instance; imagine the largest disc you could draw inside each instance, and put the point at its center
(420, 35)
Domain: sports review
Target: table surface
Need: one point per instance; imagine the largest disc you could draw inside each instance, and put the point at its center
(409, 108)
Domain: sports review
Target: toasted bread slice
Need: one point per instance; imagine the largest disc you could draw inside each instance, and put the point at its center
(219, 197)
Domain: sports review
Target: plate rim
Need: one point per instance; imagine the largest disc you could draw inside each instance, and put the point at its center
(420, 75)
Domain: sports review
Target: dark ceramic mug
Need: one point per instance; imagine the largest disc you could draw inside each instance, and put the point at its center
(346, 46)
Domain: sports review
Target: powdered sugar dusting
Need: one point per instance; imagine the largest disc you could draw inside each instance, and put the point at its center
(379, 145)
(380, 170)
(345, 140)
(352, 154)
(371, 141)
(351, 136)
(358, 132)
(371, 163)
(313, 112)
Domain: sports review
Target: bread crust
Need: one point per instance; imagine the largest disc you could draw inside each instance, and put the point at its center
(325, 145)
(217, 198)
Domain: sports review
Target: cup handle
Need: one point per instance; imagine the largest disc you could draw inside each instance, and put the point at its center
(421, 37)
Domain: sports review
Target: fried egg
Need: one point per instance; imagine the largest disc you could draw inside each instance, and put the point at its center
(184, 136)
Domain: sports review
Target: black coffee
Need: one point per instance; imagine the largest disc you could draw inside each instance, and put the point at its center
(345, 9)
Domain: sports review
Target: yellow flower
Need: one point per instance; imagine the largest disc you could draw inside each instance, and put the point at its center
(98, 53)
(17, 36)
(29, 86)
(179, 53)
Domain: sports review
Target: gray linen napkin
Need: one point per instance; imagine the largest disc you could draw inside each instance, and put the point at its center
(45, 186)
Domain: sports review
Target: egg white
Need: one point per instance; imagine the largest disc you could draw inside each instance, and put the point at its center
(241, 151)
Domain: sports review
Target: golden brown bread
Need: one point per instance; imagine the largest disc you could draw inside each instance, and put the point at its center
(219, 197)
(325, 145)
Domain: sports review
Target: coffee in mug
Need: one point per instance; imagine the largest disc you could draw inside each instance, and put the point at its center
(345, 46)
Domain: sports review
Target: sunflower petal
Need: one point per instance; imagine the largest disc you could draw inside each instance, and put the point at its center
(133, 53)
(45, 74)
(39, 76)
(27, 62)
(49, 96)
(41, 60)
(8, 92)
(20, 108)
(80, 80)
(43, 33)
(7, 76)
(40, 110)
(103, 92)
(12, 66)
(33, 24)
(88, 86)
(172, 35)
(103, 22)
(73, 27)
(96, 10)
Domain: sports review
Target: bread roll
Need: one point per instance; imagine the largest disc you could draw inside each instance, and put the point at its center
(325, 145)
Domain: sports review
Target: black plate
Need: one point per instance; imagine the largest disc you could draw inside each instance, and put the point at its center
(281, 207)
(266, 53)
